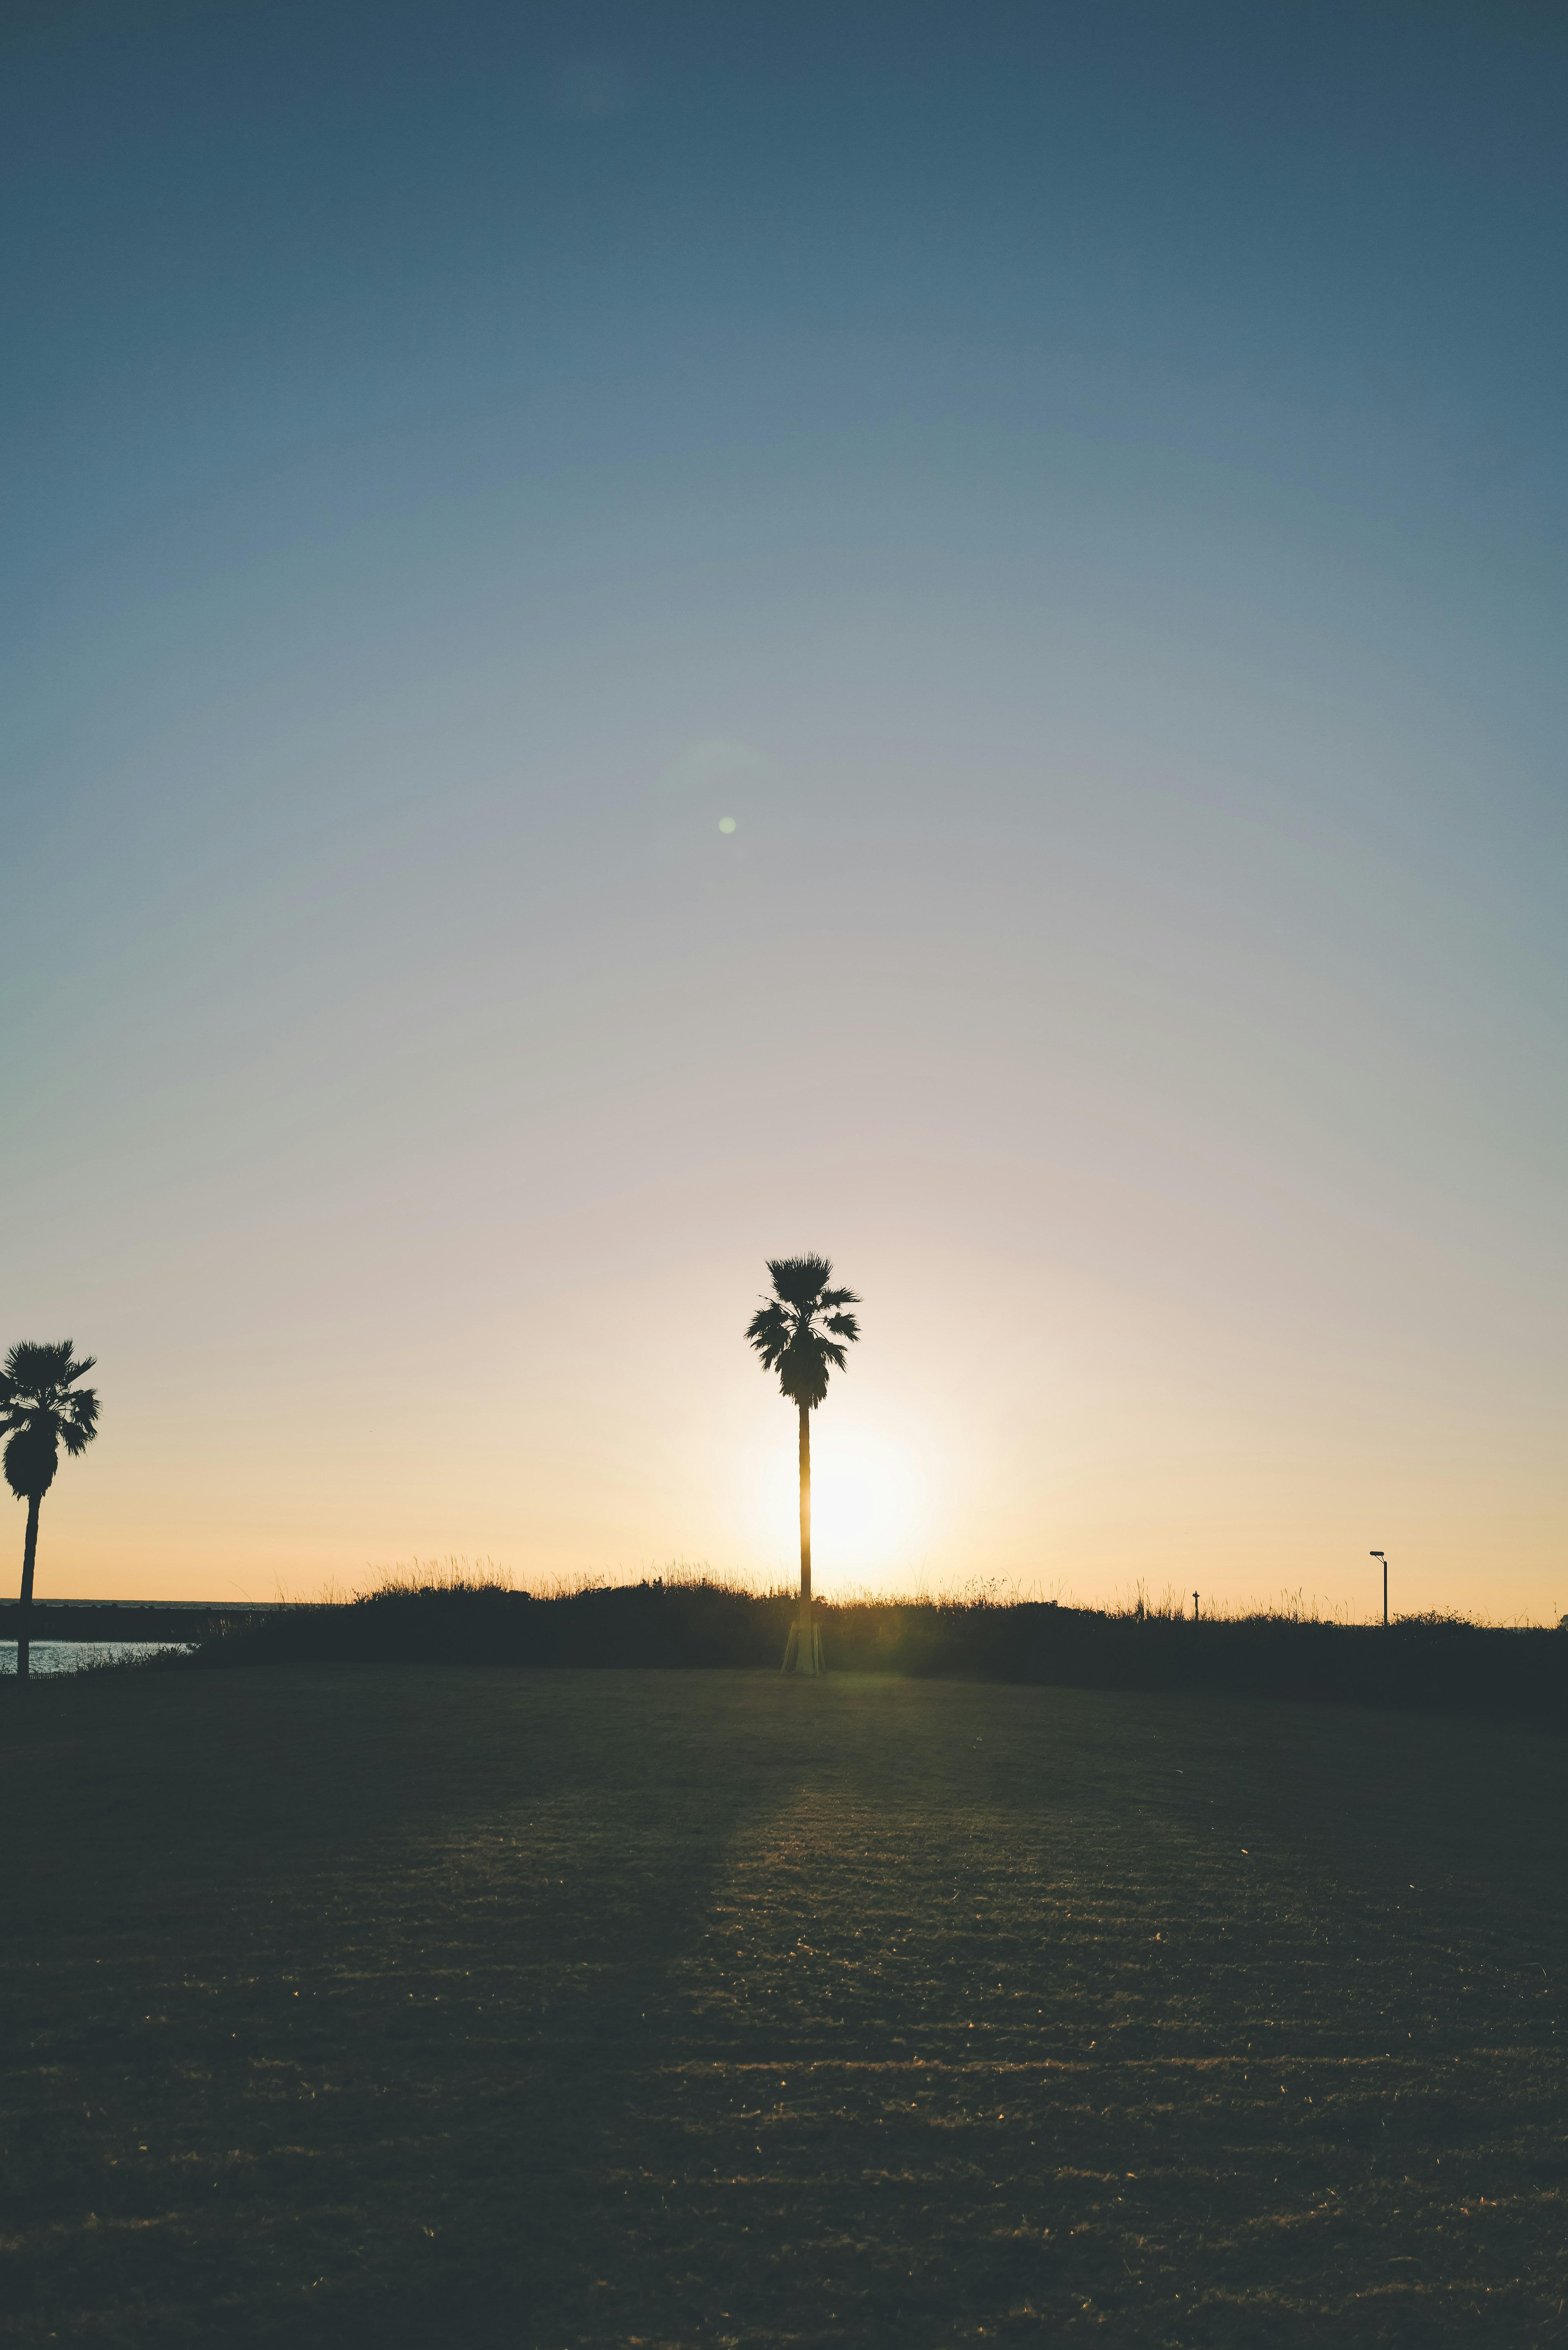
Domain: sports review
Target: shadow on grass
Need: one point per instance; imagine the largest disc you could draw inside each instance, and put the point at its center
(324, 1991)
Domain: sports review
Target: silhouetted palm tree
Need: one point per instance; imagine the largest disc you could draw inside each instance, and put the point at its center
(801, 1332)
(41, 1408)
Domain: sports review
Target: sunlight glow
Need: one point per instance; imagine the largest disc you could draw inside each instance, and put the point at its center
(873, 1503)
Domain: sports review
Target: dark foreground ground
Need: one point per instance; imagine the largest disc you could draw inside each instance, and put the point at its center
(357, 2004)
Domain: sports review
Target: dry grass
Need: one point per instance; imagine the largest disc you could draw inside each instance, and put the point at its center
(362, 2004)
(1137, 1602)
(456, 1573)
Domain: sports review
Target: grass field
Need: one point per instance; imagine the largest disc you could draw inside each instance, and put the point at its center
(354, 2004)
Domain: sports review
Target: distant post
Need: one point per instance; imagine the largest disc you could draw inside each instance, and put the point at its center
(1377, 1554)
(1195, 1607)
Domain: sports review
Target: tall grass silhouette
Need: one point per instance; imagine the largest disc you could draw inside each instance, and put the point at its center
(456, 1612)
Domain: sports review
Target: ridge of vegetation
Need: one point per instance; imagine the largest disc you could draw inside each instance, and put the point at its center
(695, 1620)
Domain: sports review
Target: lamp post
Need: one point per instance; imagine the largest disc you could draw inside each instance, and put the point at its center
(1195, 1607)
(1377, 1554)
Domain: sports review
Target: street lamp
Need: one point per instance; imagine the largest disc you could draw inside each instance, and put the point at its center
(1377, 1554)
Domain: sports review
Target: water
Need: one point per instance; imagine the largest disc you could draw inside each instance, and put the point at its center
(70, 1656)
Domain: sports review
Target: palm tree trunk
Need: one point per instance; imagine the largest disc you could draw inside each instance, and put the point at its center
(805, 1646)
(29, 1558)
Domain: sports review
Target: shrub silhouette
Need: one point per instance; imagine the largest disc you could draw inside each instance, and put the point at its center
(1440, 1664)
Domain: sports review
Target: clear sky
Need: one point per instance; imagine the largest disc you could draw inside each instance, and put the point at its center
(1082, 490)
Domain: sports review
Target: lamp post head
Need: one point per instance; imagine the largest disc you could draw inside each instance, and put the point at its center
(1377, 1554)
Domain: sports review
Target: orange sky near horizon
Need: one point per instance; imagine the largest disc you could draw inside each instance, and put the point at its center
(1138, 1444)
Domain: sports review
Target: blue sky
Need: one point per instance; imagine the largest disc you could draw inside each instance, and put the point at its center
(1082, 489)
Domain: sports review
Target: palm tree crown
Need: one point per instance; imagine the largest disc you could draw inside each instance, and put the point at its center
(41, 1408)
(802, 1328)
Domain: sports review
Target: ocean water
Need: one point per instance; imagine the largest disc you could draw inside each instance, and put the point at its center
(70, 1656)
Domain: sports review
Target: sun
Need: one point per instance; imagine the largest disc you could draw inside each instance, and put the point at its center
(872, 1496)
(866, 1504)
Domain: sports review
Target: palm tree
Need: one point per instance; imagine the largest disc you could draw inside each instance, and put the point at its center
(800, 1331)
(41, 1408)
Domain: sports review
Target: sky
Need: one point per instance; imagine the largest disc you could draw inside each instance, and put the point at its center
(633, 639)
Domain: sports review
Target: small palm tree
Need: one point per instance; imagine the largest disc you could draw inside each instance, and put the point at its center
(41, 1408)
(801, 1332)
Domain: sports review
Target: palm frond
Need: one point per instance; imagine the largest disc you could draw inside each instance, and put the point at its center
(769, 1316)
(38, 1395)
(31, 1459)
(78, 1427)
(770, 1331)
(800, 1280)
(32, 1367)
(786, 1333)
(802, 1374)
